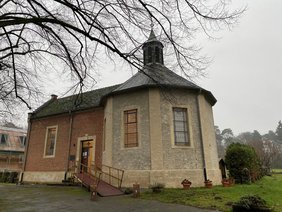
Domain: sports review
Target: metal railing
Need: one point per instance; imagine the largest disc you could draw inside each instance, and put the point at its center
(112, 176)
(86, 172)
(108, 174)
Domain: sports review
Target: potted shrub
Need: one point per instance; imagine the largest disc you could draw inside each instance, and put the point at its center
(186, 184)
(208, 183)
(250, 203)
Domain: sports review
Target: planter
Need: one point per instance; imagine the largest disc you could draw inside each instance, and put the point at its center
(186, 184)
(226, 183)
(208, 184)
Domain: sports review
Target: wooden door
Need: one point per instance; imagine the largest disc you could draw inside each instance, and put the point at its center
(87, 155)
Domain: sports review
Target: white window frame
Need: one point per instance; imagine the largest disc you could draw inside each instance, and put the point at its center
(22, 142)
(55, 143)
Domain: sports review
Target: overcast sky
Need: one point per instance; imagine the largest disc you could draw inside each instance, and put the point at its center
(246, 73)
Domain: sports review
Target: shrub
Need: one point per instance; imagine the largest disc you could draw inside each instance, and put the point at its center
(157, 187)
(8, 177)
(250, 203)
(128, 191)
(4, 177)
(242, 162)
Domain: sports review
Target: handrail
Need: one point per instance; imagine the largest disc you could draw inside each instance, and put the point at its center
(86, 170)
(110, 175)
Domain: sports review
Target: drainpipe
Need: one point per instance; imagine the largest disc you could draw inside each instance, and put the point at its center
(26, 145)
(70, 135)
(201, 137)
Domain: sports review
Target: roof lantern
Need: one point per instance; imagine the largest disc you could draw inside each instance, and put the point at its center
(153, 50)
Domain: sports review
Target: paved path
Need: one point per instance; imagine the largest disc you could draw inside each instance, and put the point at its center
(50, 198)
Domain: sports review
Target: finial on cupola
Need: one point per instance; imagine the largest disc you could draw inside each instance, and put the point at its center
(152, 49)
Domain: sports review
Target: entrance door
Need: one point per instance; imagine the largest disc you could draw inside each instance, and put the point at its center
(87, 155)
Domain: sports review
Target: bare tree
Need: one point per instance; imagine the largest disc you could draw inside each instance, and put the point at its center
(75, 33)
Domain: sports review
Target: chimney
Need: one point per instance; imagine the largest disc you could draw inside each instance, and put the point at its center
(54, 96)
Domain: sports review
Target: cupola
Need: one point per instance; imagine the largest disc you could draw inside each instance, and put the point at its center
(152, 50)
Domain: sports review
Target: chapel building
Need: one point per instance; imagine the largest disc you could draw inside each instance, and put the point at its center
(157, 127)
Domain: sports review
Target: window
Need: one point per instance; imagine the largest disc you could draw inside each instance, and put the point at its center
(22, 140)
(3, 139)
(150, 55)
(157, 54)
(130, 128)
(50, 141)
(180, 127)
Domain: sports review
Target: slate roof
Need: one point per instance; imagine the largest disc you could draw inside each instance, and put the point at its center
(85, 101)
(152, 37)
(156, 75)
(153, 75)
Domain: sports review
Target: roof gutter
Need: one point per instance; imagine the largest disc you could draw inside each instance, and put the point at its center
(69, 148)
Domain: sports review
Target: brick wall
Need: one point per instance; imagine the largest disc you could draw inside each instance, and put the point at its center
(87, 122)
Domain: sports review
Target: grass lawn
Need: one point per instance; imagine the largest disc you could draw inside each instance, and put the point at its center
(277, 171)
(269, 188)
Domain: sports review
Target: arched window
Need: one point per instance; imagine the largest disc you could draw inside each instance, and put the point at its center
(157, 55)
(150, 55)
(144, 58)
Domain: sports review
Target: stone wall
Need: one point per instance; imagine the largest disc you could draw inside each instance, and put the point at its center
(134, 158)
(170, 164)
(181, 157)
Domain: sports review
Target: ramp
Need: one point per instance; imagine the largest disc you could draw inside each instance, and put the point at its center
(103, 189)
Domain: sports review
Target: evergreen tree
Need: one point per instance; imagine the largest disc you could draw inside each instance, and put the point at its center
(241, 159)
(279, 132)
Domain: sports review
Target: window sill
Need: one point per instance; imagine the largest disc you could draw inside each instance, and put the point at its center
(48, 156)
(130, 148)
(182, 147)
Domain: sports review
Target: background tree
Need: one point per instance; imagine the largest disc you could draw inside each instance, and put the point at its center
(220, 145)
(228, 136)
(75, 35)
(279, 132)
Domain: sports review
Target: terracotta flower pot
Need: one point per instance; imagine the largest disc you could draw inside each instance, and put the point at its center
(225, 182)
(208, 184)
(186, 184)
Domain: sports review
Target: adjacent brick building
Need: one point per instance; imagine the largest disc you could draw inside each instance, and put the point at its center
(157, 127)
(12, 145)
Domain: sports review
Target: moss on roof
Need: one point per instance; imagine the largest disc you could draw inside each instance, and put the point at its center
(152, 75)
(76, 102)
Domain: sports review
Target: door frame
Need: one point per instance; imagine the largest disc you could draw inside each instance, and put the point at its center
(79, 147)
